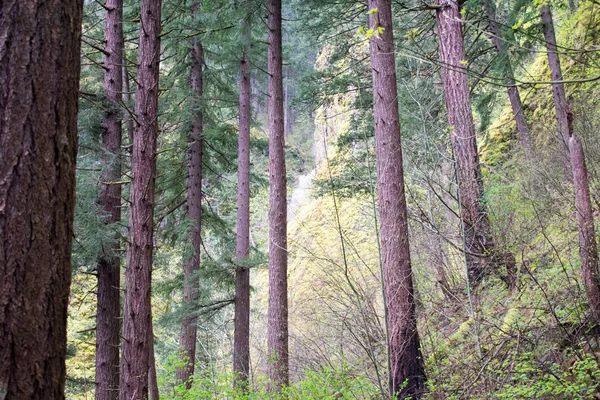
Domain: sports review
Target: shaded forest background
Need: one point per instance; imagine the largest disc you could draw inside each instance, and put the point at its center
(532, 337)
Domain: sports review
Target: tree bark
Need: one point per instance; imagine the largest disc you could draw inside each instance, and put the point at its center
(241, 337)
(588, 251)
(189, 327)
(137, 316)
(108, 325)
(278, 357)
(153, 393)
(479, 244)
(558, 90)
(509, 78)
(407, 373)
(39, 89)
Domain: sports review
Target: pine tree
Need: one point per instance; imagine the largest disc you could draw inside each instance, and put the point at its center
(241, 346)
(137, 315)
(108, 326)
(39, 88)
(189, 328)
(479, 246)
(278, 357)
(407, 374)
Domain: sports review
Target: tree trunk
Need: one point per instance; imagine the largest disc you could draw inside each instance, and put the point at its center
(241, 337)
(153, 393)
(407, 373)
(278, 357)
(108, 323)
(587, 235)
(509, 78)
(137, 316)
(39, 89)
(479, 244)
(189, 328)
(558, 90)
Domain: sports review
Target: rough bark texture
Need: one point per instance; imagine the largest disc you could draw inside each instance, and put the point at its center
(558, 89)
(137, 316)
(278, 302)
(39, 83)
(241, 337)
(407, 374)
(509, 78)
(189, 328)
(588, 250)
(108, 323)
(479, 244)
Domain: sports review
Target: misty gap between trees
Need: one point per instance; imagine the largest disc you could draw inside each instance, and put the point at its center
(309, 200)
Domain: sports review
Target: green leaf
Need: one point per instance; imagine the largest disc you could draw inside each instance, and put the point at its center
(372, 11)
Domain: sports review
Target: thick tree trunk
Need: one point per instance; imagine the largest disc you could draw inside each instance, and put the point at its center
(407, 374)
(588, 250)
(479, 244)
(509, 78)
(241, 337)
(137, 316)
(108, 323)
(189, 328)
(39, 89)
(558, 90)
(278, 357)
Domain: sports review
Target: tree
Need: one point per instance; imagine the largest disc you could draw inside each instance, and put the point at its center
(278, 357)
(241, 346)
(39, 88)
(509, 79)
(189, 328)
(407, 374)
(558, 89)
(588, 250)
(478, 240)
(108, 326)
(137, 315)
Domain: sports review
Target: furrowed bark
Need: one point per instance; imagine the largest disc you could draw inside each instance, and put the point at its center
(479, 244)
(241, 337)
(39, 89)
(407, 374)
(108, 324)
(137, 316)
(278, 357)
(189, 327)
(509, 78)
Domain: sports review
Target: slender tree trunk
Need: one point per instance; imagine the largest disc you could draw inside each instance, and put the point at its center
(39, 89)
(558, 90)
(407, 373)
(587, 235)
(479, 244)
(509, 78)
(137, 316)
(153, 393)
(278, 301)
(189, 327)
(241, 337)
(108, 323)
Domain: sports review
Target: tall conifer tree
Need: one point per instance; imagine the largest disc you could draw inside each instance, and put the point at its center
(108, 323)
(241, 346)
(278, 357)
(39, 89)
(137, 316)
(407, 374)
